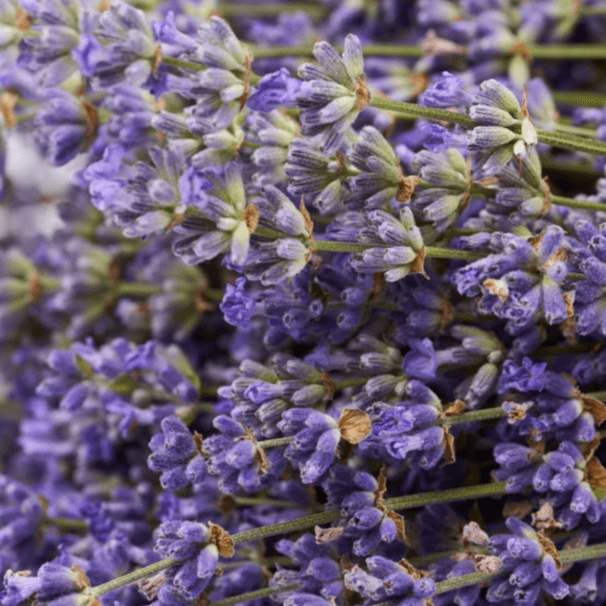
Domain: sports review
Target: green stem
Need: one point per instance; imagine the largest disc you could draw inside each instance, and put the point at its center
(252, 501)
(370, 50)
(69, 524)
(598, 395)
(446, 496)
(571, 203)
(431, 252)
(137, 289)
(275, 442)
(575, 130)
(259, 593)
(195, 67)
(353, 382)
(473, 415)
(413, 111)
(273, 530)
(581, 98)
(131, 577)
(567, 52)
(268, 10)
(468, 579)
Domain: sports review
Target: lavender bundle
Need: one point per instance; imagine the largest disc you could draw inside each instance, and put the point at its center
(316, 316)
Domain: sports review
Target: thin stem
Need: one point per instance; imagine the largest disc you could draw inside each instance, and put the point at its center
(353, 382)
(581, 98)
(566, 52)
(432, 252)
(446, 496)
(268, 10)
(259, 593)
(370, 50)
(575, 130)
(598, 395)
(133, 576)
(276, 442)
(137, 289)
(571, 203)
(463, 581)
(69, 524)
(473, 415)
(273, 530)
(412, 111)
(589, 552)
(252, 501)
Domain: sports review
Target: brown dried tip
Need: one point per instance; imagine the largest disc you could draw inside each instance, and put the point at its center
(247, 73)
(91, 119)
(156, 59)
(517, 509)
(498, 288)
(309, 224)
(327, 535)
(547, 202)
(34, 287)
(454, 409)
(176, 220)
(250, 216)
(226, 504)
(398, 520)
(543, 519)
(418, 264)
(472, 533)
(104, 6)
(354, 425)
(362, 93)
(149, 587)
(8, 101)
(595, 408)
(406, 188)
(549, 548)
(433, 46)
(595, 474)
(450, 454)
(487, 564)
(22, 20)
(81, 579)
(517, 412)
(222, 540)
(329, 384)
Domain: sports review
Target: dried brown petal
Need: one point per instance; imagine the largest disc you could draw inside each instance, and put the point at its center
(595, 408)
(329, 384)
(418, 264)
(327, 535)
(22, 20)
(543, 519)
(226, 504)
(549, 548)
(250, 216)
(354, 425)
(156, 60)
(448, 445)
(82, 581)
(149, 587)
(487, 564)
(595, 473)
(498, 288)
(472, 533)
(8, 101)
(455, 408)
(222, 540)
(362, 93)
(406, 188)
(398, 520)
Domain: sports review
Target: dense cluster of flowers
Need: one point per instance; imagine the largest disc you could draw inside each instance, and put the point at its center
(278, 273)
